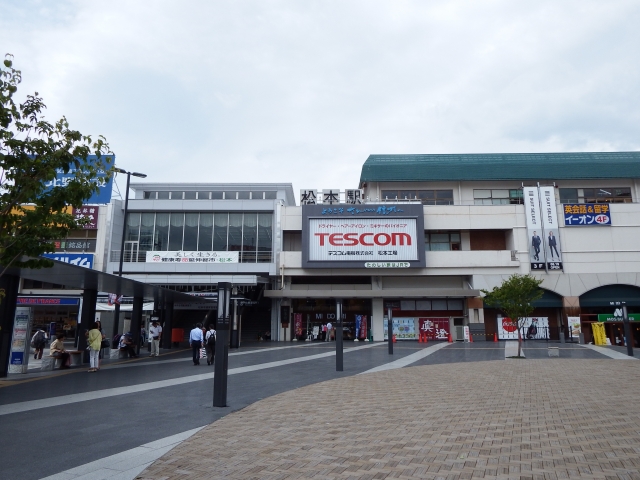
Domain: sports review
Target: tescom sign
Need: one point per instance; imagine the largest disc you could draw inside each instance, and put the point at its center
(363, 236)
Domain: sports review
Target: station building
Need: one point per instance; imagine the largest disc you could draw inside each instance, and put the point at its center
(424, 234)
(188, 237)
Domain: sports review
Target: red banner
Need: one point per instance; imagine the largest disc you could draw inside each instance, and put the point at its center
(363, 327)
(297, 324)
(435, 328)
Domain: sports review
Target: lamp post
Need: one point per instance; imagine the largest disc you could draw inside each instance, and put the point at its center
(116, 312)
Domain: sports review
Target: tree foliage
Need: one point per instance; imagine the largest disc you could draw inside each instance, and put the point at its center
(32, 152)
(515, 299)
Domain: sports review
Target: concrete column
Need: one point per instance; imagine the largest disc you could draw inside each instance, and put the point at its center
(168, 324)
(9, 284)
(136, 321)
(377, 319)
(87, 316)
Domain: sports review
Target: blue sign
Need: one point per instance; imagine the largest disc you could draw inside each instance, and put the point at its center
(80, 259)
(381, 210)
(104, 191)
(586, 214)
(17, 358)
(48, 301)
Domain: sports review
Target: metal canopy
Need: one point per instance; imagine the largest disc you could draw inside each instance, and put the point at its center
(83, 278)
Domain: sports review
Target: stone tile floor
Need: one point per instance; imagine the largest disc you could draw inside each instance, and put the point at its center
(509, 419)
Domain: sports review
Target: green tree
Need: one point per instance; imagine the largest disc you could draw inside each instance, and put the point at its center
(32, 151)
(514, 298)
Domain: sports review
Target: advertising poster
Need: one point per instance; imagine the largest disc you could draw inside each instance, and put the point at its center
(105, 186)
(574, 326)
(436, 328)
(534, 227)
(532, 328)
(20, 341)
(403, 328)
(553, 252)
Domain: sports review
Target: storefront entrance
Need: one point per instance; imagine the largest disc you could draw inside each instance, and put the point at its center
(310, 315)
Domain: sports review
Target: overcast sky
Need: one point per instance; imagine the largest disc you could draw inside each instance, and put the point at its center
(304, 91)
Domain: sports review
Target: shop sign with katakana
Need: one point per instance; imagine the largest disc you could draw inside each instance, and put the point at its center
(79, 259)
(586, 214)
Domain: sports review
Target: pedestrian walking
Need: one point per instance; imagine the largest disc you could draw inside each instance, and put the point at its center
(210, 344)
(329, 329)
(155, 334)
(195, 340)
(94, 339)
(38, 341)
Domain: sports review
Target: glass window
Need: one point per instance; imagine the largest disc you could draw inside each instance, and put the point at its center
(190, 243)
(161, 235)
(176, 195)
(265, 236)
(439, 304)
(216, 195)
(146, 232)
(441, 241)
(235, 232)
(454, 304)
(249, 237)
(203, 195)
(205, 236)
(163, 195)
(244, 195)
(220, 232)
(257, 195)
(427, 195)
(190, 195)
(499, 193)
(389, 194)
(175, 231)
(133, 227)
(595, 195)
(497, 197)
(407, 195)
(270, 195)
(230, 195)
(150, 195)
(423, 304)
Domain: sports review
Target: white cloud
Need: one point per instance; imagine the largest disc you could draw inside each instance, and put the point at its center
(305, 91)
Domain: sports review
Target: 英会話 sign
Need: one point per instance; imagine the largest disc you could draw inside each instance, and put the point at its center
(586, 214)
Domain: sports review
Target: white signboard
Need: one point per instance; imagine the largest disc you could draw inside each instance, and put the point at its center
(192, 257)
(20, 341)
(351, 239)
(553, 252)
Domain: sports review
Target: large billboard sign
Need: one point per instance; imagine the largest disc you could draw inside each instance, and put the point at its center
(542, 228)
(367, 236)
(105, 186)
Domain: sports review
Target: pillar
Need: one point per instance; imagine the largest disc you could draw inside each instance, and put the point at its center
(9, 285)
(167, 319)
(377, 319)
(136, 321)
(570, 308)
(87, 316)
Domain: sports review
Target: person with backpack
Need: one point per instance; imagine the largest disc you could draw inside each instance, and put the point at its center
(38, 341)
(210, 344)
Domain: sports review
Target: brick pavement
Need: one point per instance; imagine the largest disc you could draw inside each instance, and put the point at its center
(516, 419)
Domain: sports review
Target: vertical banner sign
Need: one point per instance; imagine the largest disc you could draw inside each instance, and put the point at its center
(534, 228)
(20, 341)
(550, 224)
(361, 327)
(297, 323)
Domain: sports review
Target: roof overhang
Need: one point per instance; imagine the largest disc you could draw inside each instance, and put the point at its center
(399, 293)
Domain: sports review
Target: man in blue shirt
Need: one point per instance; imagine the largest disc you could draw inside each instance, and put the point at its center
(195, 340)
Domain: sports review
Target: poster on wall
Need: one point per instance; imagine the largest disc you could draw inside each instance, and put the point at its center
(553, 252)
(532, 328)
(435, 328)
(586, 214)
(403, 328)
(19, 357)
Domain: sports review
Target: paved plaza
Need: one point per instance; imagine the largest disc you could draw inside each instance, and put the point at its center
(434, 410)
(521, 419)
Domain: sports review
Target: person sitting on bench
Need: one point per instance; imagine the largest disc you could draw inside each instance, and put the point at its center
(56, 350)
(126, 344)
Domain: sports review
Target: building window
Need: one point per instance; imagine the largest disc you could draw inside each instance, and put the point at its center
(595, 195)
(204, 195)
(427, 197)
(150, 195)
(249, 233)
(270, 195)
(498, 197)
(216, 195)
(176, 195)
(163, 195)
(230, 195)
(438, 241)
(190, 195)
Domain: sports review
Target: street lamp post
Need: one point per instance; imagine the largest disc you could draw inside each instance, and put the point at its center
(116, 313)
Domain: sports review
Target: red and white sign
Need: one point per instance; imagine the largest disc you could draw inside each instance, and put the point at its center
(389, 239)
(508, 329)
